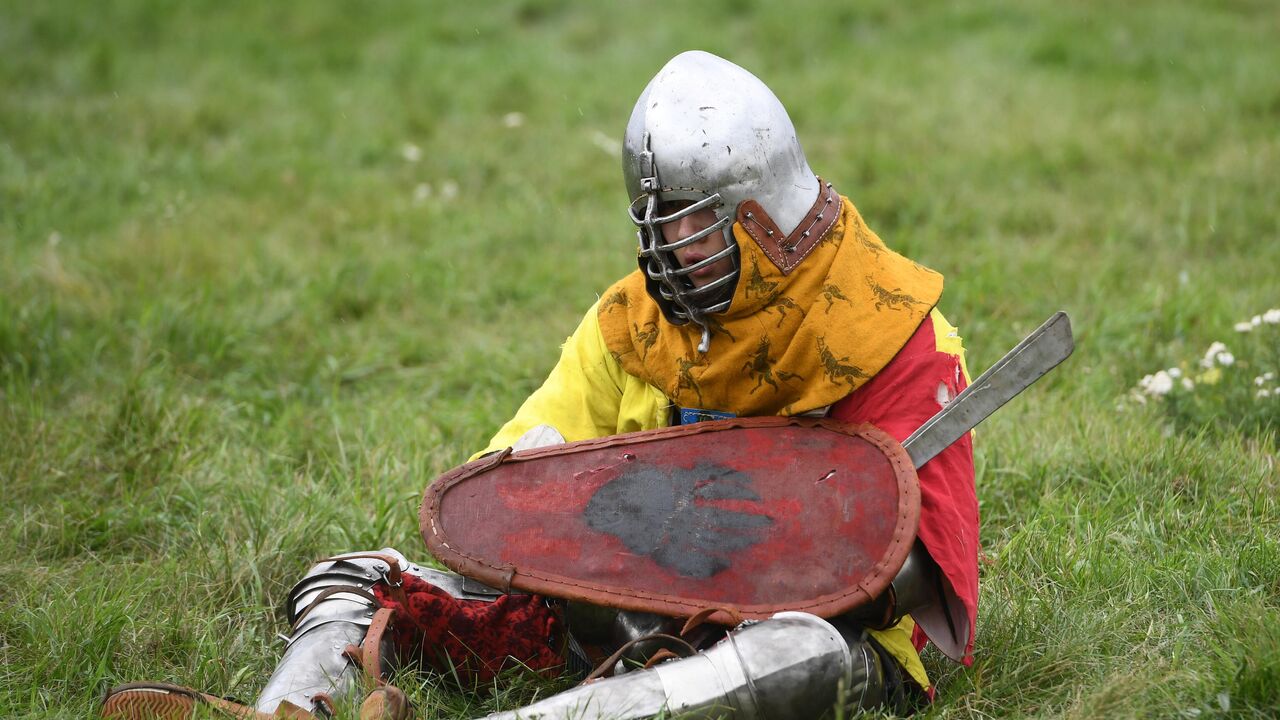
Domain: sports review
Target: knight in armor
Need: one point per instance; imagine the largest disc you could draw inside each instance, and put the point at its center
(760, 291)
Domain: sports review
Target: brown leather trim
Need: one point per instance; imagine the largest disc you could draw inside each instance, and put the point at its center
(371, 649)
(701, 617)
(829, 605)
(387, 702)
(787, 252)
(393, 564)
(605, 668)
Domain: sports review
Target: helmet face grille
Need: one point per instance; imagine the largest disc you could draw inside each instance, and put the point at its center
(680, 300)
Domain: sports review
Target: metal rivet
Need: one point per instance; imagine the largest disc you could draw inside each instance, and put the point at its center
(804, 234)
(769, 233)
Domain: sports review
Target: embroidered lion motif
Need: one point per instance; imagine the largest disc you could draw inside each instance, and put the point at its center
(760, 366)
(836, 369)
(717, 326)
(618, 298)
(781, 304)
(831, 293)
(645, 337)
(757, 286)
(894, 299)
(864, 237)
(685, 379)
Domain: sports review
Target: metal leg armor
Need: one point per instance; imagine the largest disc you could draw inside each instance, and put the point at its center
(793, 665)
(330, 609)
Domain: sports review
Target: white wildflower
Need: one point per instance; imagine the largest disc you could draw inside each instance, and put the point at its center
(1211, 354)
(1158, 384)
(1272, 316)
(1268, 376)
(449, 190)
(1259, 381)
(1256, 320)
(55, 237)
(1243, 326)
(1225, 358)
(1187, 384)
(513, 119)
(421, 193)
(411, 153)
(1174, 372)
(1263, 393)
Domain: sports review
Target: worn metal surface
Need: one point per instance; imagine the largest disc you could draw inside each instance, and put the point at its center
(751, 515)
(788, 667)
(707, 131)
(1040, 352)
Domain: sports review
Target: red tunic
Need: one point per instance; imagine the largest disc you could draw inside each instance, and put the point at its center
(899, 399)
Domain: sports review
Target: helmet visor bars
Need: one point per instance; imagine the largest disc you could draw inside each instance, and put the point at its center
(688, 302)
(685, 301)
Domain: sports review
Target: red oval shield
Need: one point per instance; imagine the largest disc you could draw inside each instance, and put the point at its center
(750, 516)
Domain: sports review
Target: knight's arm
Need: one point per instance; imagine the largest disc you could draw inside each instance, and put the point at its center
(587, 395)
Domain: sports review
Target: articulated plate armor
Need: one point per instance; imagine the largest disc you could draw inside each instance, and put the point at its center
(707, 132)
(333, 608)
(793, 665)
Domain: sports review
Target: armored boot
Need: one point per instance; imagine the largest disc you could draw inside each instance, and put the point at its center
(336, 629)
(793, 665)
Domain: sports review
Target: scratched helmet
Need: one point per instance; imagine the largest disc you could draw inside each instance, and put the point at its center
(709, 133)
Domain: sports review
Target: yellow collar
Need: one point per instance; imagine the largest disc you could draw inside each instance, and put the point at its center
(788, 343)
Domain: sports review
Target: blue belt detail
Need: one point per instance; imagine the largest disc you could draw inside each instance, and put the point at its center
(689, 416)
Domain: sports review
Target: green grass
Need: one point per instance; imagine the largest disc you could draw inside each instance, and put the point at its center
(240, 331)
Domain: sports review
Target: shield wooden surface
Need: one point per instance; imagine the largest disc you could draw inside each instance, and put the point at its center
(747, 516)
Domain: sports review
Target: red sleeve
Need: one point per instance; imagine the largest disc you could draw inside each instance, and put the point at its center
(899, 399)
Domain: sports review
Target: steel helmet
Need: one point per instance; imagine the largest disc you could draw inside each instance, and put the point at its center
(708, 132)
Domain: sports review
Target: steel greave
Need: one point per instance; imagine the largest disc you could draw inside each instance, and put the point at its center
(330, 609)
(787, 667)
(314, 664)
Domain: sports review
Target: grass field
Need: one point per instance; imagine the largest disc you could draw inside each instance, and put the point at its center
(266, 269)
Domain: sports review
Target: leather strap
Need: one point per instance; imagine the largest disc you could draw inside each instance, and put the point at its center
(330, 591)
(371, 649)
(701, 617)
(605, 668)
(394, 571)
(787, 252)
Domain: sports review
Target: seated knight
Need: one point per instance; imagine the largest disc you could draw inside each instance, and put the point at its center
(761, 291)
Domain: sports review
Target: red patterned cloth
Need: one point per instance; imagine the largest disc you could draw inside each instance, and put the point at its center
(898, 400)
(473, 638)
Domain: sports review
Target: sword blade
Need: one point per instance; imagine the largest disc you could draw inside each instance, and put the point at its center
(1037, 354)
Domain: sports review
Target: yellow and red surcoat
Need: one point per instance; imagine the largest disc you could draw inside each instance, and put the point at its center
(852, 330)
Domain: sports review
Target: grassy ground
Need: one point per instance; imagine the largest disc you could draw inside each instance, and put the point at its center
(268, 268)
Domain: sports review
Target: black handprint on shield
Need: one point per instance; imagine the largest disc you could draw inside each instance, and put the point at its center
(671, 515)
